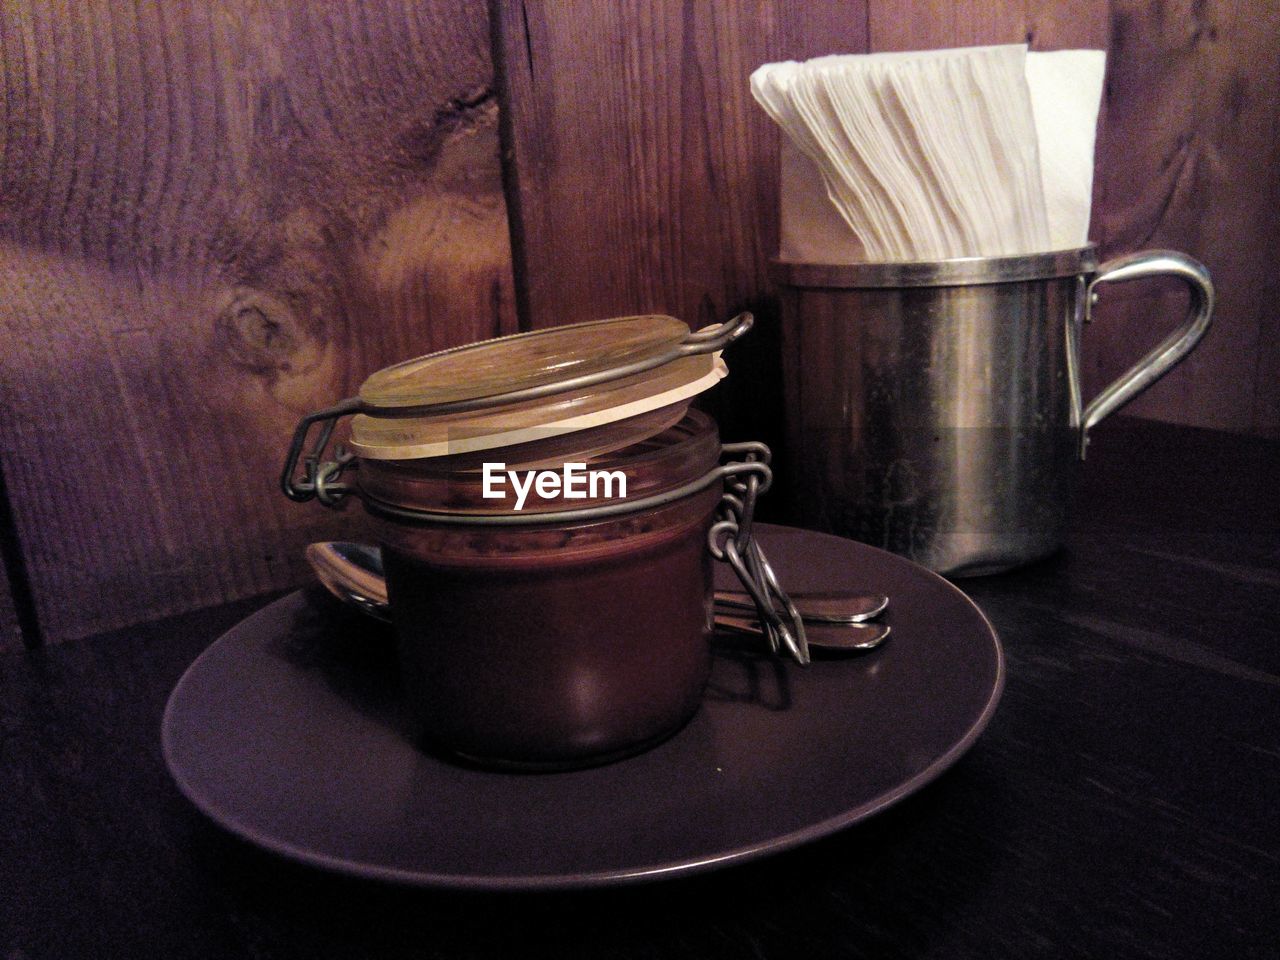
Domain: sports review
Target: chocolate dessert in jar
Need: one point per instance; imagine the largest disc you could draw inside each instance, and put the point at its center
(548, 508)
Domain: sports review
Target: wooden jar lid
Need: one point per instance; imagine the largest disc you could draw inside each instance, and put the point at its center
(583, 376)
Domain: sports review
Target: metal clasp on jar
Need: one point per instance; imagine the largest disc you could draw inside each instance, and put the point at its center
(730, 541)
(318, 481)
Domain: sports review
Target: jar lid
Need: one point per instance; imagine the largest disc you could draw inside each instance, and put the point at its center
(537, 385)
(496, 367)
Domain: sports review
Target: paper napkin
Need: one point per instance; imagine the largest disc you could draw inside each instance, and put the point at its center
(983, 151)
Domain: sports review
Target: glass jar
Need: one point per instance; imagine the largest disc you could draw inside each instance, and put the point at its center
(547, 625)
(557, 642)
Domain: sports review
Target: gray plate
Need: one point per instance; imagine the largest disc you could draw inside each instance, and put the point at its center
(288, 731)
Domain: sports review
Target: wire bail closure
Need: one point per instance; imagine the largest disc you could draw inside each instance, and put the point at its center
(730, 541)
(318, 474)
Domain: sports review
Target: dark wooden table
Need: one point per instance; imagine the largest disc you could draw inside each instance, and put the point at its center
(1124, 802)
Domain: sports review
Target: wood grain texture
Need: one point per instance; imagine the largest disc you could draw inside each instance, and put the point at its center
(216, 218)
(1187, 159)
(935, 24)
(643, 174)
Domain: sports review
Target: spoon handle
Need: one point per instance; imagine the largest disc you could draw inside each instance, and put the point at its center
(350, 581)
(821, 637)
(814, 607)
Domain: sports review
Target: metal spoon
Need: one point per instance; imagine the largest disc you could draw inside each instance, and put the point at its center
(822, 636)
(352, 572)
(814, 607)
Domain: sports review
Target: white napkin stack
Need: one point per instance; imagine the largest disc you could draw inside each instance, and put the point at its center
(983, 151)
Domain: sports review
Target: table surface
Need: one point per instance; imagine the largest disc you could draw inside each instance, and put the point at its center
(1124, 801)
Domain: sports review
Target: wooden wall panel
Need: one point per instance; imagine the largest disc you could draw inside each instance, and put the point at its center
(215, 218)
(643, 175)
(936, 24)
(1188, 160)
(644, 171)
